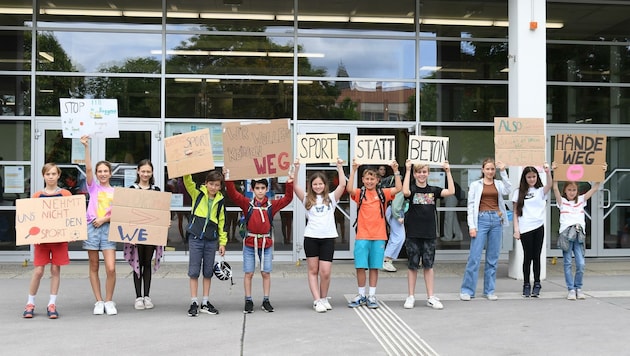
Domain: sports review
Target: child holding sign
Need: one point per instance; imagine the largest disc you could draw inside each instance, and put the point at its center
(54, 253)
(99, 211)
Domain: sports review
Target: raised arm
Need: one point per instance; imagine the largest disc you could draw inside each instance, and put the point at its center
(405, 184)
(449, 178)
(353, 171)
(297, 189)
(341, 188)
(594, 186)
(549, 182)
(556, 190)
(89, 173)
(398, 184)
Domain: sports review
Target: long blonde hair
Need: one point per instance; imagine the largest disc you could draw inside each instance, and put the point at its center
(311, 197)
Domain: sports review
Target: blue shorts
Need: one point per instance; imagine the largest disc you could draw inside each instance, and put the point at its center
(98, 238)
(201, 252)
(249, 259)
(369, 254)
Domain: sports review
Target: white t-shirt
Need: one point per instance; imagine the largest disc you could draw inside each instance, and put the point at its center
(321, 219)
(572, 213)
(533, 209)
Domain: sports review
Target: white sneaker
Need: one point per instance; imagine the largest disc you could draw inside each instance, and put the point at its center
(148, 304)
(492, 297)
(326, 303)
(409, 302)
(99, 308)
(139, 304)
(319, 306)
(580, 294)
(389, 266)
(434, 302)
(571, 295)
(465, 297)
(110, 308)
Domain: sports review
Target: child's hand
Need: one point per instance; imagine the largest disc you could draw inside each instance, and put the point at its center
(85, 140)
(500, 165)
(605, 166)
(554, 165)
(408, 164)
(546, 167)
(394, 166)
(296, 165)
(339, 162)
(445, 166)
(355, 165)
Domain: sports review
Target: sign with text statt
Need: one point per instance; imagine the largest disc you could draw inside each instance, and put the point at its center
(93, 117)
(580, 158)
(45, 220)
(323, 148)
(140, 216)
(257, 149)
(188, 153)
(519, 141)
(428, 150)
(375, 149)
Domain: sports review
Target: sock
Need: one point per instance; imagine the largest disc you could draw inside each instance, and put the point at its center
(362, 291)
(31, 299)
(265, 298)
(204, 300)
(372, 291)
(52, 300)
(194, 300)
(249, 298)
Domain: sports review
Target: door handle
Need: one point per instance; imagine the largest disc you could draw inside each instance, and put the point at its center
(605, 203)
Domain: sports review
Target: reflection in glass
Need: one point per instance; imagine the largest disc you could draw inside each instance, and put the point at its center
(463, 60)
(15, 95)
(462, 102)
(18, 56)
(15, 138)
(588, 105)
(470, 145)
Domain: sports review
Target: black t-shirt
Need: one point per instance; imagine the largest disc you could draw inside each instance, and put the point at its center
(421, 218)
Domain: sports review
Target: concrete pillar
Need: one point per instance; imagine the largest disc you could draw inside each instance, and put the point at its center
(527, 87)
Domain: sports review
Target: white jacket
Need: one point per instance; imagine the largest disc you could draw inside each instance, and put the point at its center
(504, 186)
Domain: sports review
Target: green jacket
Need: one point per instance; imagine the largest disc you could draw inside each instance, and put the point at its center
(202, 208)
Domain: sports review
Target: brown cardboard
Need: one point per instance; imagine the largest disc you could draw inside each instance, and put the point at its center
(140, 216)
(44, 220)
(374, 149)
(519, 141)
(257, 149)
(579, 158)
(430, 150)
(322, 148)
(188, 153)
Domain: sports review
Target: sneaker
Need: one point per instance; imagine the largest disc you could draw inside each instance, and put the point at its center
(110, 308)
(209, 309)
(193, 310)
(266, 306)
(148, 304)
(319, 306)
(357, 301)
(389, 266)
(580, 294)
(29, 311)
(527, 289)
(536, 290)
(571, 295)
(99, 308)
(249, 307)
(52, 312)
(371, 302)
(326, 303)
(465, 297)
(139, 304)
(434, 302)
(492, 297)
(409, 302)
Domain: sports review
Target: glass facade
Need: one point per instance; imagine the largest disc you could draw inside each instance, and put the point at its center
(440, 68)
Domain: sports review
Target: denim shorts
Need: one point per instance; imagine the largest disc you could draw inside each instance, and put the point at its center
(249, 259)
(98, 238)
(202, 252)
(369, 254)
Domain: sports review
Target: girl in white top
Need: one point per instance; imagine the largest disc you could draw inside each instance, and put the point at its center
(320, 231)
(530, 200)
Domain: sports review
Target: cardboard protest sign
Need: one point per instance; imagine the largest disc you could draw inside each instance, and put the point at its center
(93, 117)
(257, 149)
(375, 149)
(322, 148)
(188, 153)
(45, 220)
(519, 142)
(428, 150)
(140, 216)
(579, 158)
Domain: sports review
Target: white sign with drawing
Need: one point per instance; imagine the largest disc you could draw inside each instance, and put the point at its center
(93, 117)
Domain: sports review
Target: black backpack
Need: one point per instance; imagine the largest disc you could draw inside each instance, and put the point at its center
(381, 196)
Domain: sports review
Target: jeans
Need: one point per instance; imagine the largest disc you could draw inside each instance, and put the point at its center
(396, 235)
(576, 248)
(489, 232)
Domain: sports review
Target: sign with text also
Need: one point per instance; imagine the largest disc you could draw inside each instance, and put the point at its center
(322, 148)
(579, 158)
(428, 150)
(188, 153)
(140, 216)
(257, 149)
(519, 142)
(375, 149)
(46, 220)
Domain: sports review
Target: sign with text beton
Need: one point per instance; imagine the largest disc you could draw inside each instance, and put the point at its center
(428, 150)
(323, 148)
(45, 220)
(93, 117)
(257, 149)
(375, 149)
(519, 141)
(579, 158)
(140, 216)
(188, 153)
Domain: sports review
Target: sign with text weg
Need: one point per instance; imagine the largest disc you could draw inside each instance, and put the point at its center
(580, 158)
(45, 220)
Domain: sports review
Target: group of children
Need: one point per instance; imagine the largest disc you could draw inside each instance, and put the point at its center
(206, 232)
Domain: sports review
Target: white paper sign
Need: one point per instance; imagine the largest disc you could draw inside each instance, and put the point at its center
(93, 117)
(14, 179)
(428, 150)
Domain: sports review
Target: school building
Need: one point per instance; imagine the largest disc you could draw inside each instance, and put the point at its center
(354, 67)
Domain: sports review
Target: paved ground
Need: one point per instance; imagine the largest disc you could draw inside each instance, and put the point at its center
(510, 326)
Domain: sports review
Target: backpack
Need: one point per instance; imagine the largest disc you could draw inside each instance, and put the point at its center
(242, 222)
(195, 225)
(381, 196)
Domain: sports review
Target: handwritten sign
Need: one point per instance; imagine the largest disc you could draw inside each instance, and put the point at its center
(94, 117)
(140, 216)
(257, 150)
(46, 220)
(375, 149)
(580, 157)
(317, 148)
(428, 150)
(519, 142)
(188, 153)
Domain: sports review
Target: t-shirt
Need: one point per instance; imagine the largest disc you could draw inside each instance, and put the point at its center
(421, 218)
(371, 222)
(101, 199)
(321, 219)
(533, 209)
(572, 213)
(58, 193)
